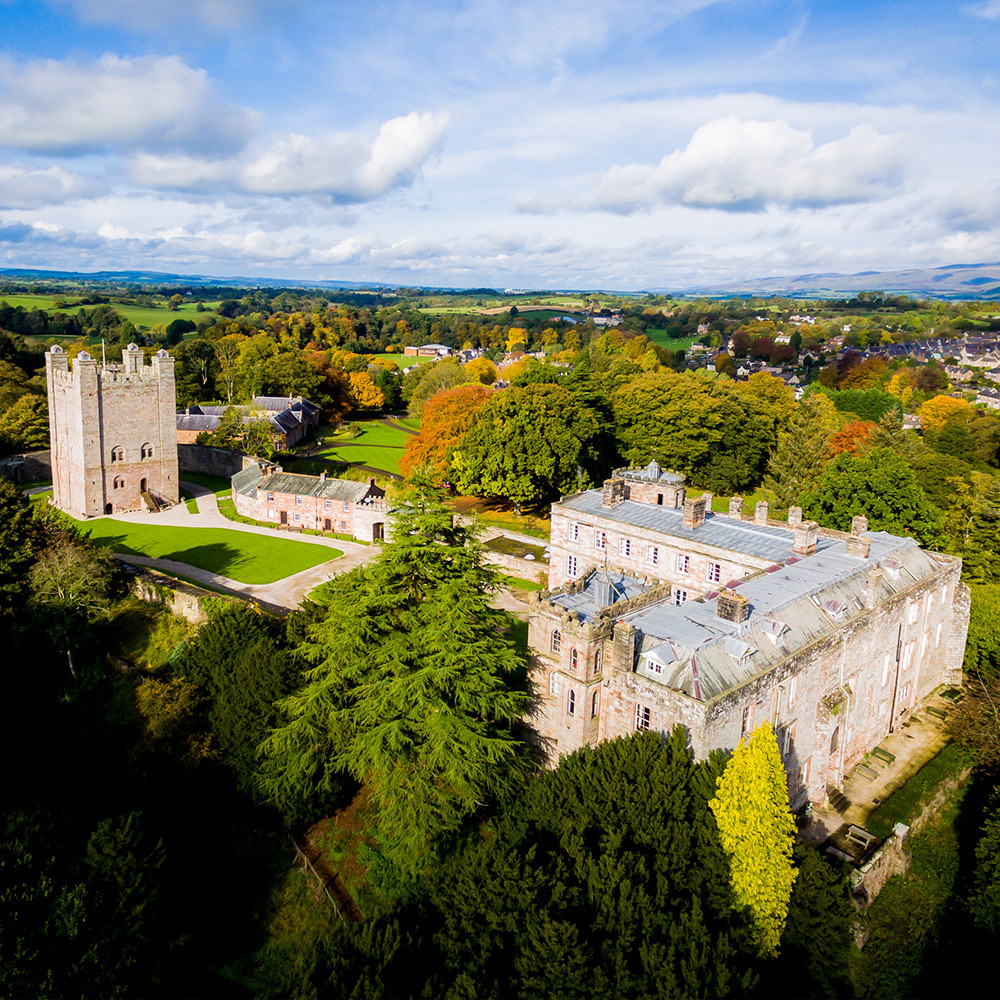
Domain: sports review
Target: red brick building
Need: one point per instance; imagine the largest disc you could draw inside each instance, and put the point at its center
(264, 492)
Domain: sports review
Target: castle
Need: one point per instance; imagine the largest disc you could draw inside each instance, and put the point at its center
(112, 431)
(660, 612)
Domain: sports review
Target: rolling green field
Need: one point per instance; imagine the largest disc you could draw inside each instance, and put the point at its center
(141, 316)
(660, 338)
(239, 555)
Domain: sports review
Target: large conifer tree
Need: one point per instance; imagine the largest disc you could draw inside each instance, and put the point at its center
(412, 690)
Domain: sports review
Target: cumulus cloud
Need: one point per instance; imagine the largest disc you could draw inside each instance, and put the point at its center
(149, 102)
(739, 165)
(344, 165)
(33, 187)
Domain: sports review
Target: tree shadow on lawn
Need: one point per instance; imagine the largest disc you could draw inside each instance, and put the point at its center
(216, 557)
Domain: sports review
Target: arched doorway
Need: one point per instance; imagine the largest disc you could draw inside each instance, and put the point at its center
(143, 487)
(108, 509)
(378, 531)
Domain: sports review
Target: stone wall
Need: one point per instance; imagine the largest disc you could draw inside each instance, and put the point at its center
(525, 569)
(209, 461)
(183, 599)
(31, 467)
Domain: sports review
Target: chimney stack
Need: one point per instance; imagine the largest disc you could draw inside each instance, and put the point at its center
(614, 492)
(760, 513)
(873, 592)
(736, 507)
(806, 533)
(694, 513)
(857, 545)
(732, 607)
(794, 516)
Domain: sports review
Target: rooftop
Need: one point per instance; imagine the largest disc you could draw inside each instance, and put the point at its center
(722, 532)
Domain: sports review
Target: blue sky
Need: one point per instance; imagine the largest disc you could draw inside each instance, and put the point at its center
(551, 143)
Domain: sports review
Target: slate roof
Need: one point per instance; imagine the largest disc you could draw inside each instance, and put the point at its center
(790, 608)
(293, 403)
(197, 422)
(587, 602)
(727, 533)
(251, 482)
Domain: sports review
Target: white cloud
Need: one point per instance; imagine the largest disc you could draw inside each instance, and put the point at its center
(181, 172)
(739, 165)
(990, 9)
(149, 102)
(32, 187)
(344, 165)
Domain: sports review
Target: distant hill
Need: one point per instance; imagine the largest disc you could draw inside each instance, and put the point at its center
(955, 281)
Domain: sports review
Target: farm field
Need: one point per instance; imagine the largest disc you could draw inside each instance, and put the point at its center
(141, 316)
(239, 555)
(660, 338)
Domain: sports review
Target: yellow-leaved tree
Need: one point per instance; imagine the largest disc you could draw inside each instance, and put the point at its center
(757, 832)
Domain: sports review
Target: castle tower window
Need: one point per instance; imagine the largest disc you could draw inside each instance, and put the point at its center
(571, 706)
(118, 454)
(556, 640)
(652, 555)
(683, 563)
(553, 683)
(119, 482)
(594, 704)
(597, 663)
(146, 451)
(574, 658)
(642, 717)
(574, 532)
(600, 540)
(745, 723)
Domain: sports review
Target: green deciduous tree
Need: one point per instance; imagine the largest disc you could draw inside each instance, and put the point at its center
(530, 445)
(694, 424)
(879, 485)
(25, 426)
(412, 688)
(757, 832)
(21, 538)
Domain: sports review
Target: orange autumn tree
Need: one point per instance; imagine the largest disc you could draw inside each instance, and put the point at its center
(851, 437)
(447, 416)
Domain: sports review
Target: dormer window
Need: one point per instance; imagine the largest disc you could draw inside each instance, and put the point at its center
(774, 631)
(740, 652)
(835, 609)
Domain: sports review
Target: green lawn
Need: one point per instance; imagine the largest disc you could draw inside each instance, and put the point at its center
(217, 484)
(378, 445)
(239, 555)
(386, 459)
(412, 422)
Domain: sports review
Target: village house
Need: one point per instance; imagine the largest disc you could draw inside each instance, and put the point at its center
(291, 418)
(264, 492)
(660, 612)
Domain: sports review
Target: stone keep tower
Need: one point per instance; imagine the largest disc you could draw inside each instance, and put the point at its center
(113, 431)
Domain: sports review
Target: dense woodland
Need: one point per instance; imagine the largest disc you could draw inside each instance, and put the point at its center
(157, 769)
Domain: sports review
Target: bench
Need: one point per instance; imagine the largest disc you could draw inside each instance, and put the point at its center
(884, 755)
(938, 713)
(866, 772)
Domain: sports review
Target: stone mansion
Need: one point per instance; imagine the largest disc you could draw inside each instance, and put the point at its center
(661, 612)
